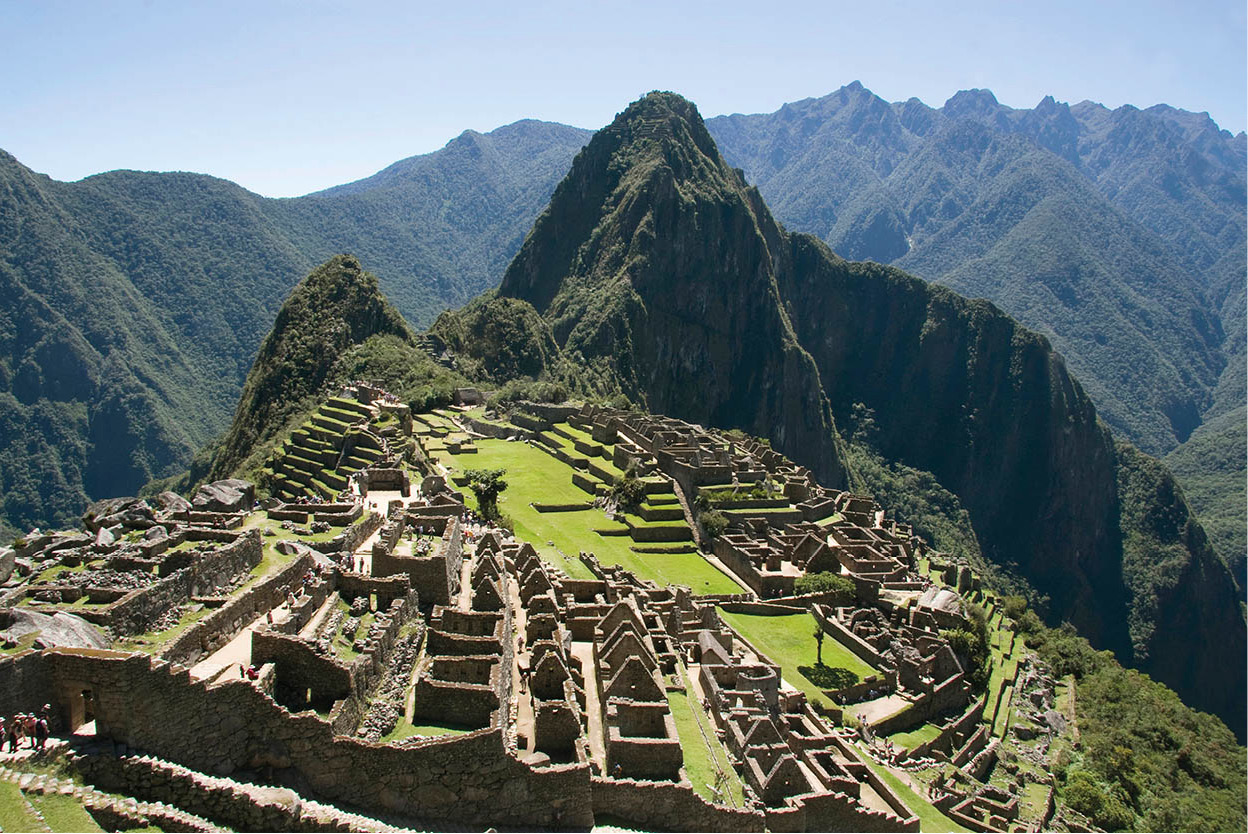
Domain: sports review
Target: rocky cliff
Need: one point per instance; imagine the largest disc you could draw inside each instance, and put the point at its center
(662, 273)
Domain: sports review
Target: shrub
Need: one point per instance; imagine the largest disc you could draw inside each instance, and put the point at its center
(824, 582)
(713, 522)
(486, 484)
(629, 491)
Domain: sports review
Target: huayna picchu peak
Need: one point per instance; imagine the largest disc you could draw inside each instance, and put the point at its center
(663, 274)
(688, 524)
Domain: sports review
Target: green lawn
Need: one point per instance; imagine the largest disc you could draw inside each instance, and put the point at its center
(404, 730)
(702, 760)
(913, 738)
(15, 812)
(63, 813)
(535, 476)
(787, 639)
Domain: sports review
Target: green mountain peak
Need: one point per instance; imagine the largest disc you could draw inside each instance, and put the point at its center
(337, 306)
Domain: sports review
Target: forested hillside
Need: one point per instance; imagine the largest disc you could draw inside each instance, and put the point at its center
(132, 304)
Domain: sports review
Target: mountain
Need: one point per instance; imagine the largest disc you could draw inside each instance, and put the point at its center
(133, 303)
(1120, 235)
(660, 271)
(336, 307)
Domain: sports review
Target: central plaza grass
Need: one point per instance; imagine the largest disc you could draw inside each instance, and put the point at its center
(534, 476)
(787, 639)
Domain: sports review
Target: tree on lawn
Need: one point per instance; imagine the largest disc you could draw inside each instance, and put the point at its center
(486, 484)
(818, 635)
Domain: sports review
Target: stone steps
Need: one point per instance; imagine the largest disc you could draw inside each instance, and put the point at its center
(104, 807)
(240, 805)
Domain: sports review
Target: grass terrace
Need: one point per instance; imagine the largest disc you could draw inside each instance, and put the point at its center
(787, 639)
(930, 818)
(705, 756)
(913, 738)
(535, 476)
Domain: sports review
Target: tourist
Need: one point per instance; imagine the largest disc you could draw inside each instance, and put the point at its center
(11, 734)
(28, 727)
(41, 731)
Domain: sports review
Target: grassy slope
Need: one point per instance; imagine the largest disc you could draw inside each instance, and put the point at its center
(534, 476)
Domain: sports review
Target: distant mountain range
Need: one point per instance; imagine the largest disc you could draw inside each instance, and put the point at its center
(134, 303)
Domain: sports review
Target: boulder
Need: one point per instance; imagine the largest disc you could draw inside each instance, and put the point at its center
(228, 496)
(130, 513)
(937, 598)
(59, 629)
(104, 538)
(171, 502)
(8, 560)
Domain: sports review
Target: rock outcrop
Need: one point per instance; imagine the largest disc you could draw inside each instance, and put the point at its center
(226, 496)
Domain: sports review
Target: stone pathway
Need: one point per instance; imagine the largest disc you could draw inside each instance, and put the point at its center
(237, 652)
(584, 652)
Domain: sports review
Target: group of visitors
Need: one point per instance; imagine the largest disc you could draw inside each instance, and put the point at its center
(25, 726)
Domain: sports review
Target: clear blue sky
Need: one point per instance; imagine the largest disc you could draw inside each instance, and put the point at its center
(289, 97)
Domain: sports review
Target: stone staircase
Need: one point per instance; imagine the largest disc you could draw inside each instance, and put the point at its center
(109, 812)
(241, 805)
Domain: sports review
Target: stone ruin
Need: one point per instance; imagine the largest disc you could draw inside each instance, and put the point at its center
(558, 692)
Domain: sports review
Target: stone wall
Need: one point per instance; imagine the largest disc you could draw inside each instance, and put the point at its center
(24, 686)
(660, 806)
(351, 538)
(136, 612)
(219, 627)
(301, 671)
(847, 638)
(232, 726)
(835, 812)
(950, 695)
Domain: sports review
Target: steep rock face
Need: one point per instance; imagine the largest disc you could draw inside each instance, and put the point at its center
(661, 271)
(963, 391)
(641, 262)
(337, 306)
(1181, 589)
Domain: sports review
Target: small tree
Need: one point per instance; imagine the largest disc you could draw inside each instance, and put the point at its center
(818, 635)
(486, 484)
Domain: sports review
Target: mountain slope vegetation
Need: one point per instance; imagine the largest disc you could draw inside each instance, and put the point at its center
(1118, 234)
(132, 304)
